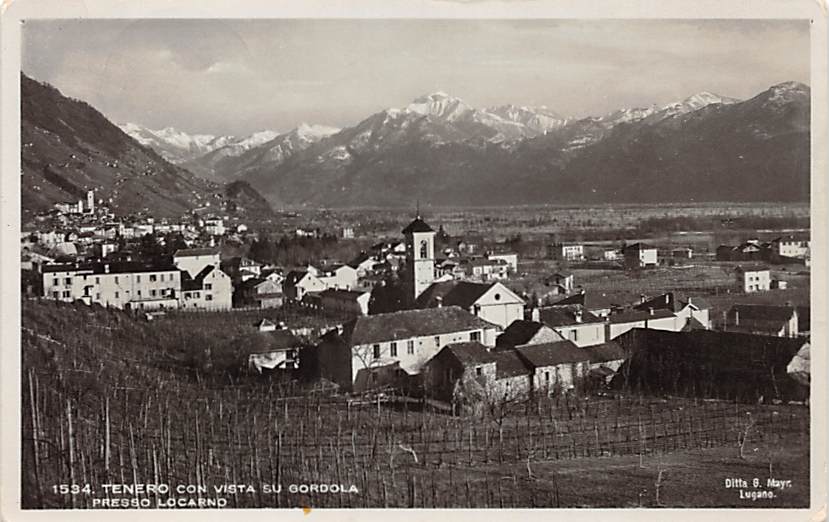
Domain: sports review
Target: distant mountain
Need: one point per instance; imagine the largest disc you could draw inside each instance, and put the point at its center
(229, 162)
(68, 147)
(442, 150)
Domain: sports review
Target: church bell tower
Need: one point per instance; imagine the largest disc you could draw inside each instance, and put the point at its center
(420, 255)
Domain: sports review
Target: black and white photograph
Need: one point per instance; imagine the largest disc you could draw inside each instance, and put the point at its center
(413, 262)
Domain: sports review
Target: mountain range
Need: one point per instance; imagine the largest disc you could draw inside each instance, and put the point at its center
(442, 150)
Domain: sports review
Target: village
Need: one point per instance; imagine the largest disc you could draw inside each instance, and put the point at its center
(429, 315)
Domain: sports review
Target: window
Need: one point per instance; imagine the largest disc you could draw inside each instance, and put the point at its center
(479, 371)
(138, 293)
(410, 347)
(97, 280)
(116, 280)
(208, 297)
(437, 340)
(376, 349)
(68, 281)
(138, 279)
(475, 336)
(497, 297)
(393, 349)
(116, 295)
(56, 294)
(162, 277)
(547, 377)
(152, 278)
(424, 249)
(97, 297)
(152, 293)
(208, 286)
(55, 281)
(66, 293)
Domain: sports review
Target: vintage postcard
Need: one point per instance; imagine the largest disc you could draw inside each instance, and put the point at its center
(308, 260)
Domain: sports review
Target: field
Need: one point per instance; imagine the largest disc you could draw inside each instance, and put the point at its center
(107, 399)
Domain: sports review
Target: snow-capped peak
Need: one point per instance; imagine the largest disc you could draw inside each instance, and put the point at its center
(439, 104)
(315, 132)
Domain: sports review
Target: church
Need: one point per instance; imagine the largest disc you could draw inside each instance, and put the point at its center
(492, 302)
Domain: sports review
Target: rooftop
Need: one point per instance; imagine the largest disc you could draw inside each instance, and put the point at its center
(194, 252)
(407, 324)
(470, 353)
(418, 225)
(552, 354)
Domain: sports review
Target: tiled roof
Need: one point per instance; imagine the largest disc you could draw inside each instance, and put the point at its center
(609, 351)
(565, 316)
(337, 293)
(509, 364)
(121, 267)
(758, 312)
(519, 332)
(411, 323)
(552, 354)
(465, 293)
(471, 352)
(193, 252)
(639, 315)
(589, 300)
(294, 276)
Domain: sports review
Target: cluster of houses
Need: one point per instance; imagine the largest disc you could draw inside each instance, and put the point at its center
(793, 248)
(191, 280)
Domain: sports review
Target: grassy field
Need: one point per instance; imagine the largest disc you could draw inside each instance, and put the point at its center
(108, 399)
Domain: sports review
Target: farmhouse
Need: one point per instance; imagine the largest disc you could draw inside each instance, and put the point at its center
(369, 351)
(778, 321)
(567, 251)
(685, 308)
(352, 302)
(657, 319)
(562, 283)
(342, 277)
(270, 350)
(527, 332)
(753, 278)
(640, 255)
(299, 283)
(194, 260)
(492, 302)
(210, 289)
(573, 323)
(791, 246)
(260, 292)
(596, 303)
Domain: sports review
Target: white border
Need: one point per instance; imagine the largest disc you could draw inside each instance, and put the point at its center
(12, 11)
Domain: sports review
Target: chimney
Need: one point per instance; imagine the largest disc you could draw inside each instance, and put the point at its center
(689, 301)
(535, 315)
(650, 311)
(668, 298)
(642, 298)
(736, 318)
(439, 301)
(106, 268)
(578, 316)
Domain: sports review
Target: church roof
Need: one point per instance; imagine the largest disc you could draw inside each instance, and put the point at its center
(418, 225)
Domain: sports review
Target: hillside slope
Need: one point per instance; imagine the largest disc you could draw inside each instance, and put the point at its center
(68, 147)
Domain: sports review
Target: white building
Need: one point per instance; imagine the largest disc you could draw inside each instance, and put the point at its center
(753, 278)
(492, 302)
(194, 260)
(639, 255)
(567, 251)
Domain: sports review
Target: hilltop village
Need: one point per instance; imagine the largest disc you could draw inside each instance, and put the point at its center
(421, 314)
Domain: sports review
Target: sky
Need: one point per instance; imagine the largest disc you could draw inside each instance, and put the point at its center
(242, 76)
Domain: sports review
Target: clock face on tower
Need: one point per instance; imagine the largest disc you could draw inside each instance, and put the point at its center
(424, 249)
